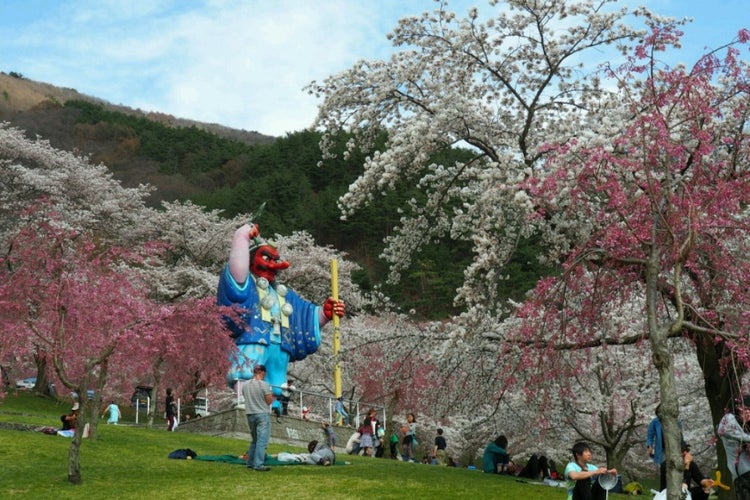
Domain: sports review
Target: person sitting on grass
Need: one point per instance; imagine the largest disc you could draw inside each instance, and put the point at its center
(495, 457)
(69, 420)
(320, 454)
(692, 473)
(581, 475)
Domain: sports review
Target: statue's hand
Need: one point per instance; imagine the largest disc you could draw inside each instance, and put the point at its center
(253, 230)
(331, 307)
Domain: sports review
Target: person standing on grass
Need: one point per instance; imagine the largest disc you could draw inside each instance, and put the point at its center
(366, 439)
(171, 410)
(439, 455)
(258, 396)
(410, 436)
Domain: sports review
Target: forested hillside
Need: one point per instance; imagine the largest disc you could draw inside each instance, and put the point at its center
(215, 169)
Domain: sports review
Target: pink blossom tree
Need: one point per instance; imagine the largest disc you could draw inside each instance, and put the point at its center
(72, 300)
(659, 210)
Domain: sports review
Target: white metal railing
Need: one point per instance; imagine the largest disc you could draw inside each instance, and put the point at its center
(310, 405)
(138, 407)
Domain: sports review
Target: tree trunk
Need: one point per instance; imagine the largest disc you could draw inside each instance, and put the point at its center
(154, 404)
(42, 381)
(664, 364)
(96, 406)
(74, 456)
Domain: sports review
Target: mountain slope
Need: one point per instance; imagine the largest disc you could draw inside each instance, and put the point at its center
(19, 95)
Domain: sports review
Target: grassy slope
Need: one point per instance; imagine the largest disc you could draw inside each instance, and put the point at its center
(131, 462)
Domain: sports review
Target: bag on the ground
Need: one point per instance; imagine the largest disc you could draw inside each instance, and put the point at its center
(183, 453)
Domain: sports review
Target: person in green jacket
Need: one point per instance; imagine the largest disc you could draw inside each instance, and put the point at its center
(495, 458)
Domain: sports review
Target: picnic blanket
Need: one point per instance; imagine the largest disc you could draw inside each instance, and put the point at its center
(234, 459)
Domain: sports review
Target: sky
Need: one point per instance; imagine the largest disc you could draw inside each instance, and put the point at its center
(243, 63)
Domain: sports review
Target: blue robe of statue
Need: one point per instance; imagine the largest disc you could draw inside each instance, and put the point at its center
(286, 329)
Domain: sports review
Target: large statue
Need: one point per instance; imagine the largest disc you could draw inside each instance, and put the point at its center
(277, 325)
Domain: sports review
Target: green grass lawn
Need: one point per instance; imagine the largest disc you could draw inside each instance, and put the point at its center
(128, 461)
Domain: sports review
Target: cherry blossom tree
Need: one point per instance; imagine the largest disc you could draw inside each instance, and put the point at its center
(636, 177)
(504, 87)
(83, 196)
(659, 210)
(71, 299)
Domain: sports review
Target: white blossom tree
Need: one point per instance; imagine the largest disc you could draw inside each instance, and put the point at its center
(612, 167)
(504, 87)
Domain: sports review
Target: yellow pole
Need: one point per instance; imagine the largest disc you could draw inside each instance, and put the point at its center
(336, 331)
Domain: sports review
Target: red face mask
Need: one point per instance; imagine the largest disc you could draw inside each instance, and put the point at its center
(266, 263)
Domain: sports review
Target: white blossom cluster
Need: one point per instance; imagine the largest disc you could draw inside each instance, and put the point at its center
(503, 87)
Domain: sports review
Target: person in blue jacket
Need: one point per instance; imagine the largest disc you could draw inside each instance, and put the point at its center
(277, 326)
(655, 446)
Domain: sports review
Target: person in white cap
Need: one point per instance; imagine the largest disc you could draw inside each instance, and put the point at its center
(69, 420)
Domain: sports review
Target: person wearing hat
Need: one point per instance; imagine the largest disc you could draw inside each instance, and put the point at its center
(258, 396)
(733, 431)
(69, 420)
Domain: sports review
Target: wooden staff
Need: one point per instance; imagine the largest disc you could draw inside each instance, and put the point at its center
(336, 330)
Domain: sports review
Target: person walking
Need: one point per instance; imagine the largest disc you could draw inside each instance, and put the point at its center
(439, 454)
(258, 396)
(114, 413)
(170, 410)
(342, 416)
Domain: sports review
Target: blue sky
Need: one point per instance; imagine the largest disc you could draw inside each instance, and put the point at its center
(242, 63)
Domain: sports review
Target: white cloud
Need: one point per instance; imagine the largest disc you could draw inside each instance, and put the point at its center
(240, 63)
